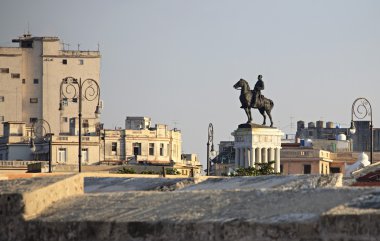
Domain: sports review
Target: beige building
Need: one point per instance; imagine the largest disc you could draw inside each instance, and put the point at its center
(30, 78)
(304, 160)
(141, 143)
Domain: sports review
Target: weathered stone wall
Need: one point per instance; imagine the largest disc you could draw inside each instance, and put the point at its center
(119, 207)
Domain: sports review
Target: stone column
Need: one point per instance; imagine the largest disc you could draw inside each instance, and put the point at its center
(277, 164)
(258, 152)
(253, 157)
(237, 155)
(246, 158)
(241, 163)
(265, 156)
(272, 156)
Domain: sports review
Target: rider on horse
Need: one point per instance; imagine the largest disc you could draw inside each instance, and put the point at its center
(258, 97)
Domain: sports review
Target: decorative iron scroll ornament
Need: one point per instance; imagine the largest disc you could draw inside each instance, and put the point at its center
(361, 108)
(41, 129)
(71, 89)
(42, 133)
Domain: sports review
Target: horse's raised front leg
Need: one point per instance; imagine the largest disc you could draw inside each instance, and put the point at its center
(262, 112)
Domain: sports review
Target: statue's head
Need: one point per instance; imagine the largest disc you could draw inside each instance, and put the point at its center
(260, 77)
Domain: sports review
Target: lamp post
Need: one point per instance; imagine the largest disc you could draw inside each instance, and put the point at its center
(42, 131)
(210, 141)
(74, 90)
(362, 109)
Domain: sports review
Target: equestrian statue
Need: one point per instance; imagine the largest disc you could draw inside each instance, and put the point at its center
(254, 99)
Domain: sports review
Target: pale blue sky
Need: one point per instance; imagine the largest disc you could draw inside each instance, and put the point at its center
(176, 60)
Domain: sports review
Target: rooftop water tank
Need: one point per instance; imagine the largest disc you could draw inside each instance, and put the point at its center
(308, 143)
(320, 124)
(341, 137)
(300, 125)
(330, 125)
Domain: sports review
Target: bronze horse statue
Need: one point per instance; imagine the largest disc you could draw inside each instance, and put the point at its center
(248, 98)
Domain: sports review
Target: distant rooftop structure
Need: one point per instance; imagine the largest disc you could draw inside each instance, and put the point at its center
(333, 131)
(137, 123)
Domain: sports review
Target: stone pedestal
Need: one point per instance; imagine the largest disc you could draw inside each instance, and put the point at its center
(257, 144)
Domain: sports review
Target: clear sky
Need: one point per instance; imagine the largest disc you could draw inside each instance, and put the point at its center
(176, 60)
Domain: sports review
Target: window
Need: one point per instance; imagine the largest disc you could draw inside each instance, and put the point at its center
(15, 76)
(114, 146)
(334, 170)
(281, 168)
(1, 118)
(307, 169)
(35, 81)
(151, 149)
(4, 70)
(85, 124)
(61, 155)
(161, 149)
(33, 100)
(310, 133)
(2, 98)
(23, 81)
(85, 154)
(64, 61)
(81, 62)
(136, 149)
(64, 119)
(26, 44)
(1, 156)
(32, 119)
(65, 102)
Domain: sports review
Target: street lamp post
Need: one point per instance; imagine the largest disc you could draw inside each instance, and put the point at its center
(361, 109)
(210, 141)
(74, 90)
(42, 131)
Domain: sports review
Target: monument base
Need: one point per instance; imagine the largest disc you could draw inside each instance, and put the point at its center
(257, 144)
(253, 125)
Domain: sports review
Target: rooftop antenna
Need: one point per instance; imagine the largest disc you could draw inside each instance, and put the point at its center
(175, 122)
(98, 47)
(63, 46)
(28, 29)
(78, 46)
(291, 124)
